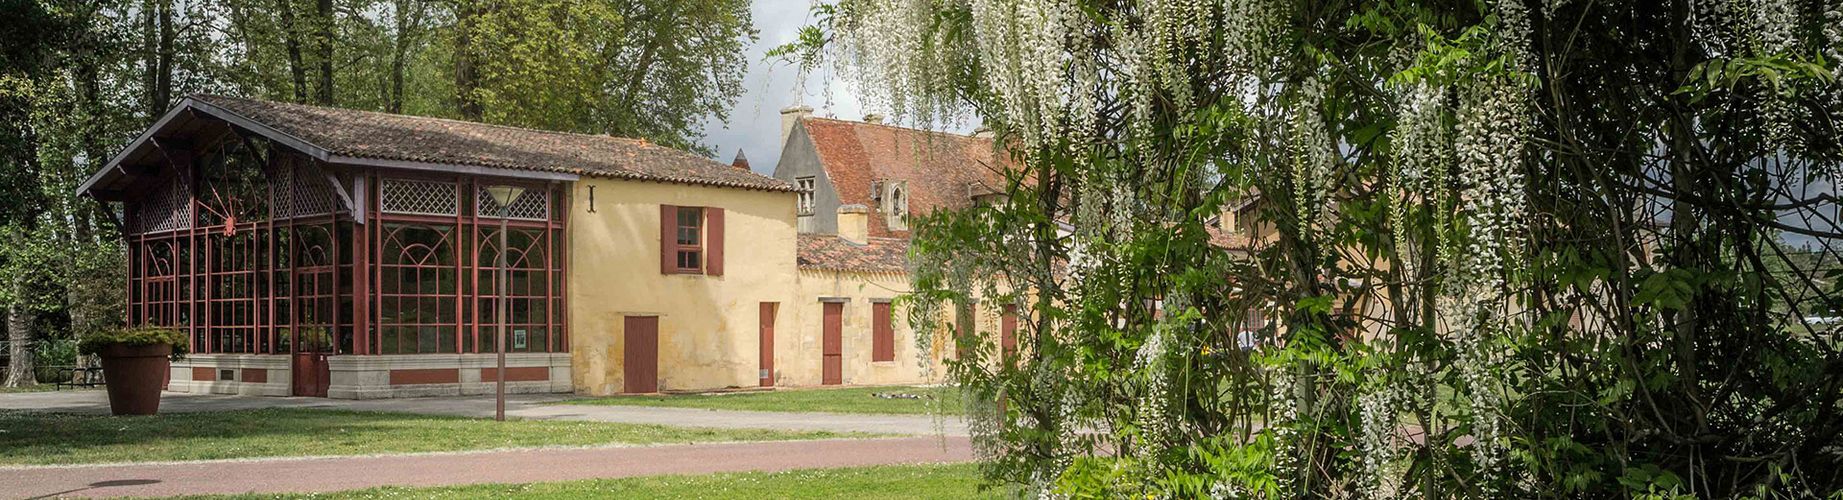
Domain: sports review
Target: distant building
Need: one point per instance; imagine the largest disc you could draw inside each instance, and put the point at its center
(896, 172)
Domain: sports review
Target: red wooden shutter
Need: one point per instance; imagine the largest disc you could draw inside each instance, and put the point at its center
(767, 342)
(832, 345)
(713, 241)
(668, 239)
(882, 337)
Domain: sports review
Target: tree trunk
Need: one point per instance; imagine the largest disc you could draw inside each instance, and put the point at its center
(323, 38)
(19, 372)
(466, 71)
(163, 59)
(150, 45)
(394, 98)
(291, 38)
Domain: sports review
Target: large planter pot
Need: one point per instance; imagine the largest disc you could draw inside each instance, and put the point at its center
(134, 375)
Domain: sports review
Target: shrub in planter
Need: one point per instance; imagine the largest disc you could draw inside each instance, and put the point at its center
(134, 364)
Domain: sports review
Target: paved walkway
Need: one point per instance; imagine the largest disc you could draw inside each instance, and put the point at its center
(530, 406)
(520, 466)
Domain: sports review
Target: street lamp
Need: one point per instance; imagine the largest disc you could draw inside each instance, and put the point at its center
(503, 195)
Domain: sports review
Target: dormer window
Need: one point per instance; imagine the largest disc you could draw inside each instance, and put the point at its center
(804, 187)
(896, 204)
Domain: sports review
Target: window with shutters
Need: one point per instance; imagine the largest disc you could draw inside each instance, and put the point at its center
(690, 255)
(690, 240)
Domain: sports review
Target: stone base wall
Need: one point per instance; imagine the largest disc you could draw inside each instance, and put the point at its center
(374, 377)
(246, 374)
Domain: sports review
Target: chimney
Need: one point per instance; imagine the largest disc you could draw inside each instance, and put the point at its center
(983, 132)
(791, 115)
(874, 118)
(1226, 218)
(854, 223)
(741, 160)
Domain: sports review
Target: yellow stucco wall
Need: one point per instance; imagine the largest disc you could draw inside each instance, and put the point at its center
(708, 325)
(798, 352)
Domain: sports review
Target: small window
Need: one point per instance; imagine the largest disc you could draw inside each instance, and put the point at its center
(690, 238)
(804, 185)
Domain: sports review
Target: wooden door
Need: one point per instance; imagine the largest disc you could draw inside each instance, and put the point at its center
(640, 354)
(767, 343)
(310, 374)
(832, 353)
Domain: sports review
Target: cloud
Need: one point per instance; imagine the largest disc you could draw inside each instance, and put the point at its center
(768, 86)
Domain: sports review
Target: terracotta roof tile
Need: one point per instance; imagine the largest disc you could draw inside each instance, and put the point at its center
(384, 136)
(941, 170)
(831, 253)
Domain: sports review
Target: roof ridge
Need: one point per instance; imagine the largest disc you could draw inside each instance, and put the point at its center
(361, 133)
(432, 118)
(902, 128)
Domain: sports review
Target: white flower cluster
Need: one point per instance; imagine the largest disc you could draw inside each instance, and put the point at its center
(1313, 158)
(1480, 363)
(1282, 413)
(1493, 122)
(1423, 158)
(1379, 407)
(1155, 416)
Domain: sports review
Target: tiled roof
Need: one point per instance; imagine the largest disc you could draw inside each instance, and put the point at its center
(1228, 240)
(384, 136)
(941, 170)
(831, 253)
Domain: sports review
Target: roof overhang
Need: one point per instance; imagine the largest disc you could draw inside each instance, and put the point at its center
(127, 168)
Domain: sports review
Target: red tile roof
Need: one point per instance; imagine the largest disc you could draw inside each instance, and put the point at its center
(831, 253)
(941, 170)
(384, 136)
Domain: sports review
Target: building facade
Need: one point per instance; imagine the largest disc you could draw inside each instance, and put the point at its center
(323, 252)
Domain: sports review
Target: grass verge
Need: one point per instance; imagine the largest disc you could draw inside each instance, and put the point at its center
(832, 400)
(904, 482)
(38, 438)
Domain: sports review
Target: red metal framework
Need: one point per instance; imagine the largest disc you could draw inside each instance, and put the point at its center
(252, 248)
(436, 262)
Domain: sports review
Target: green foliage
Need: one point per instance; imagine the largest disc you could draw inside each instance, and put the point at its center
(134, 336)
(1487, 249)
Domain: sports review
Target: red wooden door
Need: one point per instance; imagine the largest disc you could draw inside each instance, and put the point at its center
(640, 354)
(767, 343)
(832, 353)
(311, 376)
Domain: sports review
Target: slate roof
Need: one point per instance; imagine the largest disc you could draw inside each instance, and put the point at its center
(384, 136)
(941, 170)
(830, 253)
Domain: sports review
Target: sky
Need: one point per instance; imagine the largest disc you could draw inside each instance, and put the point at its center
(754, 123)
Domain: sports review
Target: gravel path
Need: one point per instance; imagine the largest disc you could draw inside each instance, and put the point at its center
(301, 475)
(533, 406)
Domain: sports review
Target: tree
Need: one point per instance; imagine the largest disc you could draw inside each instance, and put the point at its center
(1514, 249)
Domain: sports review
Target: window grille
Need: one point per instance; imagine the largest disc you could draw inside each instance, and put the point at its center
(163, 210)
(418, 197)
(533, 204)
(282, 181)
(308, 191)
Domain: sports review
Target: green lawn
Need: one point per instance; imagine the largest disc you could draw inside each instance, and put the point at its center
(904, 482)
(30, 388)
(841, 400)
(36, 438)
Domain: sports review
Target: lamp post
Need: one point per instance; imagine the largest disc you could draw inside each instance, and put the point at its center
(503, 195)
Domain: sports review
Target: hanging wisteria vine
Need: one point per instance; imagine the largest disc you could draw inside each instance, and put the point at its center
(1284, 248)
